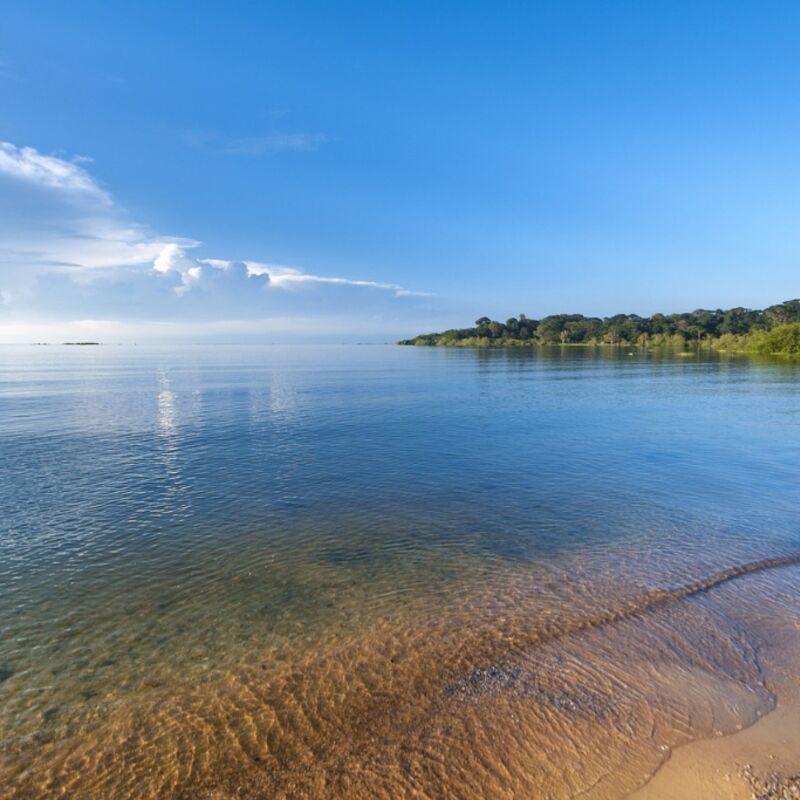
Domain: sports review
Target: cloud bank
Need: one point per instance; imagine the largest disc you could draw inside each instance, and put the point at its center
(69, 251)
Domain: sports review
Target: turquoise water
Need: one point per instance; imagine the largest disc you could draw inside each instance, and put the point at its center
(173, 515)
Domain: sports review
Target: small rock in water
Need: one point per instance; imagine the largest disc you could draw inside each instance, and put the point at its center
(510, 678)
(5, 674)
(484, 679)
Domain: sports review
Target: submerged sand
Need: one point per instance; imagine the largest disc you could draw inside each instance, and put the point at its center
(530, 689)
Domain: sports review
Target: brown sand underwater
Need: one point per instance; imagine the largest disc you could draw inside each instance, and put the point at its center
(544, 686)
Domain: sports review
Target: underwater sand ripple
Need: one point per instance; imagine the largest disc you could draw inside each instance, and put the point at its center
(489, 697)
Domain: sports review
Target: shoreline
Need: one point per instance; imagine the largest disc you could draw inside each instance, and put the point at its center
(690, 349)
(759, 762)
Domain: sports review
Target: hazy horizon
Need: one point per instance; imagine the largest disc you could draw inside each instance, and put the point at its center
(272, 331)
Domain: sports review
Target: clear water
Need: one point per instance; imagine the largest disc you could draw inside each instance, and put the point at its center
(382, 571)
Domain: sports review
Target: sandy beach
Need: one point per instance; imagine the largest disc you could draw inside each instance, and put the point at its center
(761, 762)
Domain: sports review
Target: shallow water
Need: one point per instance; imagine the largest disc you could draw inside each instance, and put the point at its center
(382, 571)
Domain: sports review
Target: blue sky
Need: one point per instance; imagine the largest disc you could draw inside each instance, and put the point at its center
(364, 171)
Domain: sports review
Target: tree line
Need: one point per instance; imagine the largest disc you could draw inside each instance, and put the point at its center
(735, 328)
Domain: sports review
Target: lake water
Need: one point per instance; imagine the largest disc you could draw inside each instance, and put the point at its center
(385, 572)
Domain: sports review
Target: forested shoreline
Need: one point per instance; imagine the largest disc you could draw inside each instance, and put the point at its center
(771, 330)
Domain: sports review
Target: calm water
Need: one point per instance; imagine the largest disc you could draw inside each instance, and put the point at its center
(382, 571)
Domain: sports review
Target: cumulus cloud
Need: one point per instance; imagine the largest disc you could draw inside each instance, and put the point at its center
(67, 248)
(209, 274)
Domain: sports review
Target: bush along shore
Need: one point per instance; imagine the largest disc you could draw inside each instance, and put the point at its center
(774, 330)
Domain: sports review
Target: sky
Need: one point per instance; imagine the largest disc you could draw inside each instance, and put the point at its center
(365, 171)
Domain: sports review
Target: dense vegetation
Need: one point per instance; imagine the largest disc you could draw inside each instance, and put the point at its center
(773, 330)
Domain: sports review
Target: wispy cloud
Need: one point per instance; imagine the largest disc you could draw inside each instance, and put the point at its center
(55, 216)
(286, 277)
(29, 165)
(274, 143)
(264, 144)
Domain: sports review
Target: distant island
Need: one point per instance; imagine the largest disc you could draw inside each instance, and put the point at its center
(773, 330)
(81, 344)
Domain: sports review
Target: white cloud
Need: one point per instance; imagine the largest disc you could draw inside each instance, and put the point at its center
(286, 277)
(204, 273)
(192, 271)
(54, 216)
(29, 165)
(173, 258)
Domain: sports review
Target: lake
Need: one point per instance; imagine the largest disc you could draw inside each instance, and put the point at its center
(380, 571)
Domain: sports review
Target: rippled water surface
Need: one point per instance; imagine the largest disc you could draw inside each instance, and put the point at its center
(384, 572)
